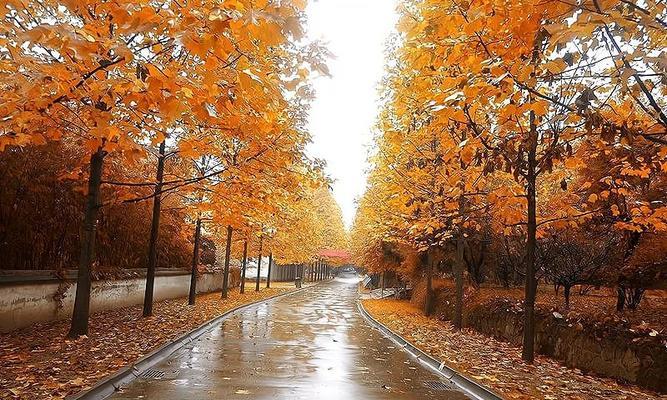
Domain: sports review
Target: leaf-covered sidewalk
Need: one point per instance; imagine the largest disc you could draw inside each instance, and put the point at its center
(497, 364)
(38, 362)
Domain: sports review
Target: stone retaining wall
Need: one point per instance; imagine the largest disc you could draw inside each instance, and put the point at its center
(603, 350)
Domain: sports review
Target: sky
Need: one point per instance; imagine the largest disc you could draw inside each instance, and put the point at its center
(345, 109)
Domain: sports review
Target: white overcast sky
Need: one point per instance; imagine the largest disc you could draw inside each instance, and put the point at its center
(345, 109)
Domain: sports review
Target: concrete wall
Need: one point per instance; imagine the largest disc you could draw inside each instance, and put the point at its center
(24, 302)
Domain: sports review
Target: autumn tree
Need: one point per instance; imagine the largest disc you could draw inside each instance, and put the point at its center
(514, 91)
(118, 78)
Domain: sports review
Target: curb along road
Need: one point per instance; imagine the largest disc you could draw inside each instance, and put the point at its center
(112, 383)
(468, 386)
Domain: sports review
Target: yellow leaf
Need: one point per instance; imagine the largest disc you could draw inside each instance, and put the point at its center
(615, 211)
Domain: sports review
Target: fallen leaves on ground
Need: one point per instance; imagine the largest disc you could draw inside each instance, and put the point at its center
(598, 305)
(38, 362)
(497, 364)
(595, 310)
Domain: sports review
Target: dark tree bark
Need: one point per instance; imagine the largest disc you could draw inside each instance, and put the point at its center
(630, 297)
(384, 274)
(268, 277)
(428, 302)
(458, 268)
(195, 261)
(620, 298)
(155, 229)
(566, 293)
(225, 275)
(622, 290)
(245, 263)
(81, 311)
(528, 353)
(259, 264)
(636, 295)
(474, 264)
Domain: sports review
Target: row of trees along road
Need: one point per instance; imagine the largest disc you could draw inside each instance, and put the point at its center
(524, 135)
(198, 105)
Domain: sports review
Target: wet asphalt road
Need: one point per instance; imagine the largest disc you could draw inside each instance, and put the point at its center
(310, 345)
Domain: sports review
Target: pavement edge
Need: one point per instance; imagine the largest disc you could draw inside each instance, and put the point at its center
(467, 385)
(109, 385)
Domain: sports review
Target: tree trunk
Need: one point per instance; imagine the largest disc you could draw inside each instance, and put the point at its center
(383, 283)
(155, 228)
(477, 274)
(622, 296)
(259, 264)
(458, 268)
(528, 353)
(620, 299)
(268, 277)
(428, 303)
(245, 263)
(81, 311)
(636, 295)
(225, 275)
(195, 261)
(566, 293)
